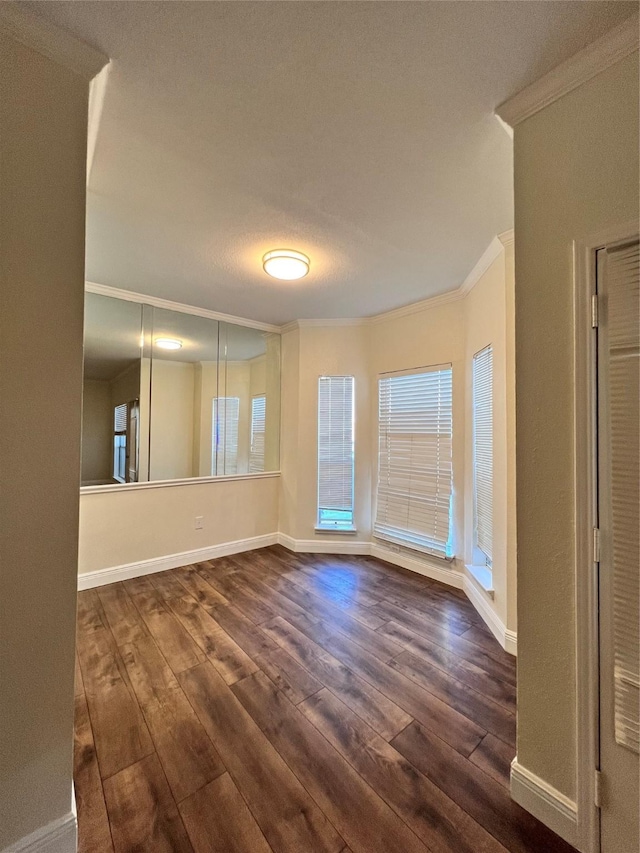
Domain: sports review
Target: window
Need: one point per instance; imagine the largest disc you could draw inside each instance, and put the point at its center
(224, 451)
(414, 460)
(120, 417)
(483, 452)
(258, 418)
(335, 452)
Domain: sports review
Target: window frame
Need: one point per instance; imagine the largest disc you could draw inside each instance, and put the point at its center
(480, 555)
(215, 421)
(253, 432)
(118, 446)
(383, 530)
(337, 526)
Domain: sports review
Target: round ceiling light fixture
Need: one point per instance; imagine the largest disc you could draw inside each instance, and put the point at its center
(286, 264)
(168, 343)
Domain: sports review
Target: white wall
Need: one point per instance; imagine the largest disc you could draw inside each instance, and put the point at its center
(172, 420)
(236, 382)
(125, 387)
(440, 332)
(576, 173)
(97, 432)
(429, 337)
(309, 353)
(43, 116)
(129, 524)
(488, 319)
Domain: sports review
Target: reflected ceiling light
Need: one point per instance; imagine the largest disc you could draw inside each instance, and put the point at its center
(285, 264)
(168, 343)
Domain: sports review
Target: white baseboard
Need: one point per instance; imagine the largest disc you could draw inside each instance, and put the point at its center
(543, 801)
(59, 836)
(451, 577)
(101, 577)
(343, 545)
(484, 605)
(325, 545)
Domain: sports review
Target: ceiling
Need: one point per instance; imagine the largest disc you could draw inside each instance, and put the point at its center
(113, 330)
(361, 133)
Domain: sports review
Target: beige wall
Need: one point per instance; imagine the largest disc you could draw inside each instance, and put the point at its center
(134, 524)
(172, 420)
(430, 337)
(309, 353)
(488, 319)
(125, 387)
(576, 172)
(236, 382)
(43, 116)
(290, 392)
(97, 432)
(440, 334)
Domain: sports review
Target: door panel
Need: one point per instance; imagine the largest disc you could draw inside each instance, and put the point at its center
(619, 521)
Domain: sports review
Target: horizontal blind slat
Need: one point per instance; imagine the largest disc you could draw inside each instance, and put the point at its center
(335, 450)
(483, 450)
(414, 460)
(258, 423)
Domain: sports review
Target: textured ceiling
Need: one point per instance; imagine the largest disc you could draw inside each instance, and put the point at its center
(358, 132)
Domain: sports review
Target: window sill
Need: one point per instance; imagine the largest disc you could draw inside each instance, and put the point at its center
(348, 531)
(163, 484)
(483, 576)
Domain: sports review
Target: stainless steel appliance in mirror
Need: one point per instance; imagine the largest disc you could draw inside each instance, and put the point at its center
(171, 395)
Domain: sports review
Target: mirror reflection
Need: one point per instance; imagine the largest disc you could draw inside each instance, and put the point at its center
(111, 391)
(170, 395)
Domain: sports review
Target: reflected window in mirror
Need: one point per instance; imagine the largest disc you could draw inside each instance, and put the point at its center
(171, 395)
(111, 391)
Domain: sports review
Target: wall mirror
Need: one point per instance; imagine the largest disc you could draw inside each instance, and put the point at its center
(171, 396)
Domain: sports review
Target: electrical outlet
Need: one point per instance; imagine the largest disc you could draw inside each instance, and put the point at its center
(199, 524)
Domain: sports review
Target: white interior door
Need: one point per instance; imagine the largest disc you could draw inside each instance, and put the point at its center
(618, 285)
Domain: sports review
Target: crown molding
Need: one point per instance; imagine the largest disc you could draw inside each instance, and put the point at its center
(491, 253)
(338, 321)
(324, 323)
(416, 307)
(157, 302)
(51, 41)
(507, 237)
(573, 72)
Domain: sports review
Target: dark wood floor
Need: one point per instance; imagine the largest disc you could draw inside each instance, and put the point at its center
(294, 703)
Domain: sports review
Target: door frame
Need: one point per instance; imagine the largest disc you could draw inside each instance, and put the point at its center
(585, 508)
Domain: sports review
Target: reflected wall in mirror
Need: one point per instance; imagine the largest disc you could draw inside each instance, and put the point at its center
(246, 412)
(111, 391)
(184, 352)
(181, 396)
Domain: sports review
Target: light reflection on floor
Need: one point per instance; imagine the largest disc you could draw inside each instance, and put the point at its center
(338, 584)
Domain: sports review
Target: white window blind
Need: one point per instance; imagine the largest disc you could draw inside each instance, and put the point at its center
(120, 418)
(224, 455)
(621, 479)
(414, 460)
(483, 450)
(258, 419)
(335, 452)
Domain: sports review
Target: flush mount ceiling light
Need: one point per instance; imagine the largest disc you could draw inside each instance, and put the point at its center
(168, 343)
(285, 264)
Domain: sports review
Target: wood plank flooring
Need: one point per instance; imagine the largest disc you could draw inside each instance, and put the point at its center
(294, 703)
